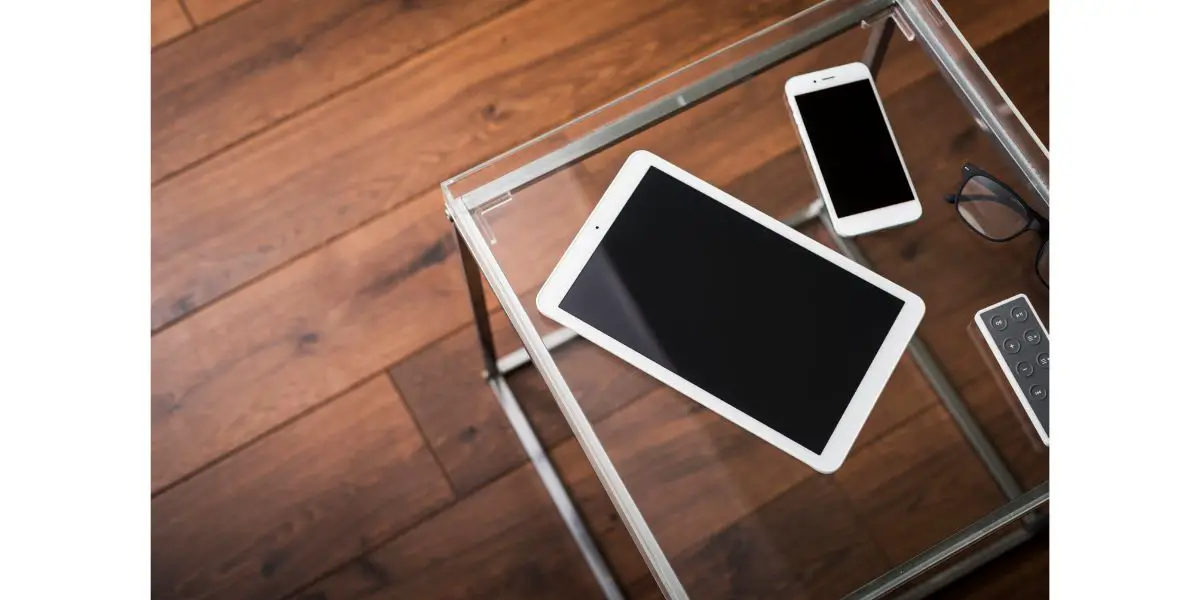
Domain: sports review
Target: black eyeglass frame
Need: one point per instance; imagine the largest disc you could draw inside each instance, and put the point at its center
(1034, 221)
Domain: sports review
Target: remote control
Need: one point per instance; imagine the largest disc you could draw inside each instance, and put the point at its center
(1016, 336)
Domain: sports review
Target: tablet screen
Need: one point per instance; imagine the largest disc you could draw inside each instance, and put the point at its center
(745, 314)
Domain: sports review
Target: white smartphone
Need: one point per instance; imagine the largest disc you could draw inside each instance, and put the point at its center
(852, 151)
(743, 314)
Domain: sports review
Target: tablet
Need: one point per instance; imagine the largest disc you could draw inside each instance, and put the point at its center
(770, 329)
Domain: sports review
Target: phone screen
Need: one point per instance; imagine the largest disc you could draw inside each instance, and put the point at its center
(854, 148)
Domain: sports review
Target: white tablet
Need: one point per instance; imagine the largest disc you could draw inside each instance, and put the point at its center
(764, 326)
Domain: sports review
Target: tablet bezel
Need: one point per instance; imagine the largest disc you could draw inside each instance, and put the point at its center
(597, 225)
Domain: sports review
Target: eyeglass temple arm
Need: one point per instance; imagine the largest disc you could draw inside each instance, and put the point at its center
(1009, 202)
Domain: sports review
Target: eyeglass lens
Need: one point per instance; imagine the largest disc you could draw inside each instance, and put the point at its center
(990, 209)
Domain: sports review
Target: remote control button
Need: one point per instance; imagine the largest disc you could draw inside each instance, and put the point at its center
(1025, 369)
(1011, 346)
(1037, 392)
(1033, 337)
(999, 323)
(1020, 314)
(1043, 360)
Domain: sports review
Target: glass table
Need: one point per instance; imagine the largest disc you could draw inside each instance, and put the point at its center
(946, 474)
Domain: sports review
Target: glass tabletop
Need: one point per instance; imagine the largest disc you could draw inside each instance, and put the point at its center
(714, 511)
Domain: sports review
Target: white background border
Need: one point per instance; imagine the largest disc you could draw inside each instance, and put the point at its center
(1125, 517)
(75, 249)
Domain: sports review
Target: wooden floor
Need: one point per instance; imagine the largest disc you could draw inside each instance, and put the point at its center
(319, 427)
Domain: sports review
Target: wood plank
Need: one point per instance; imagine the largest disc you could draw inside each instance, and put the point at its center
(1023, 572)
(691, 472)
(331, 319)
(255, 360)
(806, 543)
(275, 58)
(204, 11)
(917, 485)
(235, 372)
(444, 387)
(949, 337)
(167, 22)
(1000, 414)
(301, 502)
(600, 382)
(946, 328)
(504, 541)
(907, 394)
(458, 412)
(280, 194)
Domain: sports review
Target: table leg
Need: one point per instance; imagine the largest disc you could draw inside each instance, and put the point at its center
(497, 381)
(483, 327)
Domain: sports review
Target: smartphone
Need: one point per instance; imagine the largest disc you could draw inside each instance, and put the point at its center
(852, 151)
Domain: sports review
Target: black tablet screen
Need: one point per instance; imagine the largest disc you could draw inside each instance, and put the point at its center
(765, 325)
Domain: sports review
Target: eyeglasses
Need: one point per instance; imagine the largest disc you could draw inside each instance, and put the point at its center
(994, 211)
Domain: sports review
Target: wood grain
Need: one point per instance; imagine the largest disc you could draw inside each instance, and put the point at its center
(907, 394)
(806, 543)
(207, 10)
(332, 319)
(444, 387)
(993, 402)
(269, 520)
(466, 428)
(918, 484)
(600, 383)
(167, 22)
(276, 57)
(283, 500)
(691, 471)
(234, 372)
(505, 541)
(1021, 573)
(280, 194)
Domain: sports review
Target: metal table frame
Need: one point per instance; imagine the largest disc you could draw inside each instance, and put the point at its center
(921, 20)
